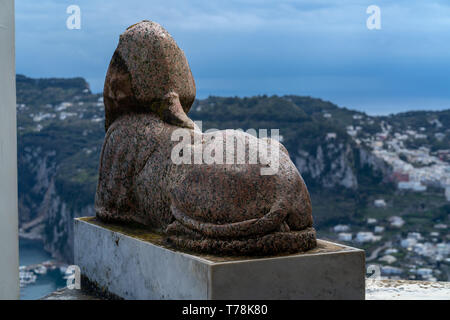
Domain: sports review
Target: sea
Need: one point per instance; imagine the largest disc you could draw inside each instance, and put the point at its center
(32, 253)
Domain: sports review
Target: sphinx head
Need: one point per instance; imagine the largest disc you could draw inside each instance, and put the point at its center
(148, 73)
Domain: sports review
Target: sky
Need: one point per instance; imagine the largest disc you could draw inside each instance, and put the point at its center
(318, 48)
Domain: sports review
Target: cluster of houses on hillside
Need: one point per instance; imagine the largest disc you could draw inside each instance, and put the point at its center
(391, 243)
(413, 169)
(414, 255)
(63, 111)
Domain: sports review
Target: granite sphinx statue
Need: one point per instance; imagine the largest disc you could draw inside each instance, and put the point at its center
(222, 208)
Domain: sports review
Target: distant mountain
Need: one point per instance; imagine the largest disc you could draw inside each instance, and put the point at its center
(53, 90)
(345, 156)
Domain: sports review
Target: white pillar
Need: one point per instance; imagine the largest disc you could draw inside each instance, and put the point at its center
(9, 244)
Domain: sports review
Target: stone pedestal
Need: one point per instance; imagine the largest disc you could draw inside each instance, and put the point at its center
(133, 263)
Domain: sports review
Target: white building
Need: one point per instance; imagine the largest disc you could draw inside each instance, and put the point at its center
(420, 136)
(379, 229)
(396, 222)
(434, 234)
(351, 131)
(341, 228)
(379, 203)
(424, 272)
(415, 235)
(64, 115)
(439, 135)
(408, 243)
(64, 106)
(388, 259)
(343, 236)
(42, 116)
(423, 249)
(365, 236)
(411, 185)
(388, 270)
(443, 248)
(391, 251)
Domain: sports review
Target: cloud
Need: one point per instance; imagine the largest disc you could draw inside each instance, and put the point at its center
(313, 47)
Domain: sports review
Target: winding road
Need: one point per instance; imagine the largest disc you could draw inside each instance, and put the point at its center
(375, 252)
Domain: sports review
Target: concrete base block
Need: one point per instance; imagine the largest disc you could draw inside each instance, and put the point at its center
(133, 263)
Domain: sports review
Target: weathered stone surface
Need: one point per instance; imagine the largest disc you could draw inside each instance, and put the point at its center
(146, 68)
(225, 207)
